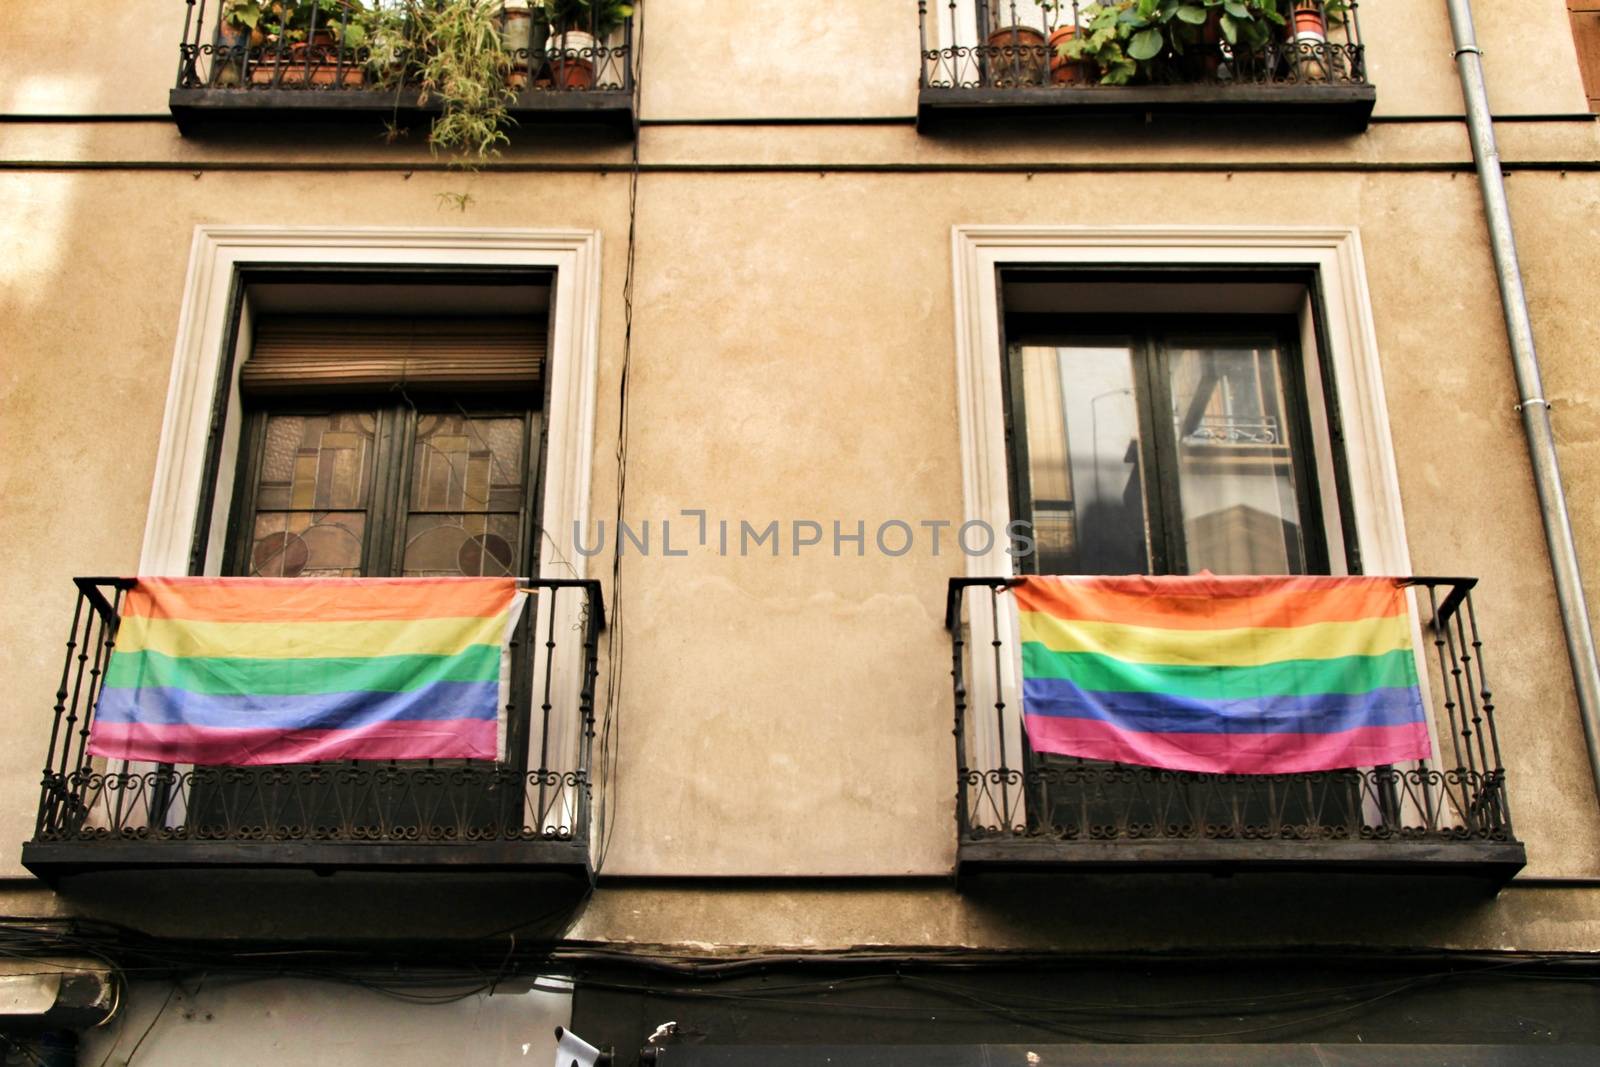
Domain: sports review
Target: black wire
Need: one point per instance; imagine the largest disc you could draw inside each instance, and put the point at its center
(18, 1046)
(135, 1050)
(611, 729)
(436, 984)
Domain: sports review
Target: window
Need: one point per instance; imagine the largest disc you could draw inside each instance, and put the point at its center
(377, 446)
(1163, 446)
(1151, 441)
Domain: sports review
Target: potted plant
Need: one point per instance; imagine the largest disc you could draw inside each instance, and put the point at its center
(1313, 57)
(1172, 40)
(461, 58)
(1016, 57)
(316, 42)
(1064, 70)
(238, 27)
(523, 32)
(579, 29)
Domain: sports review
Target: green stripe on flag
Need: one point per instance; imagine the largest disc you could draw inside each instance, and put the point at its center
(298, 677)
(1294, 677)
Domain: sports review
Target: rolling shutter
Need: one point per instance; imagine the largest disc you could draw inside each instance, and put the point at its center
(310, 353)
(1586, 34)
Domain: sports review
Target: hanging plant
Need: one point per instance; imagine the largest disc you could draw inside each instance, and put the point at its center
(462, 60)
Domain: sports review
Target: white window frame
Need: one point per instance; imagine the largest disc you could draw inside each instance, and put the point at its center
(1351, 359)
(219, 253)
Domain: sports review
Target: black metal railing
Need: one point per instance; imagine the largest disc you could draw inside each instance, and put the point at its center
(368, 46)
(1028, 44)
(543, 796)
(1007, 793)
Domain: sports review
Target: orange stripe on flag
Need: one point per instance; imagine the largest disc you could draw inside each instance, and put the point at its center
(1212, 602)
(322, 599)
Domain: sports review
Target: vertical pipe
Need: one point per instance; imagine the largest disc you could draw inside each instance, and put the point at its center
(1532, 405)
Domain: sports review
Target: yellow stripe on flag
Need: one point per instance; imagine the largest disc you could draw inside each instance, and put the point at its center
(322, 640)
(1247, 647)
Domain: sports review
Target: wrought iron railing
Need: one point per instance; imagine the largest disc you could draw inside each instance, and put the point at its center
(540, 796)
(1028, 44)
(1005, 792)
(365, 46)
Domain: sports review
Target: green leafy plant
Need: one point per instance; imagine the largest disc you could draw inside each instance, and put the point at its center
(1147, 39)
(463, 63)
(600, 17)
(243, 15)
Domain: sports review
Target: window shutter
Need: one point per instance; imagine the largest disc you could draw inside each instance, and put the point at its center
(310, 353)
(1586, 34)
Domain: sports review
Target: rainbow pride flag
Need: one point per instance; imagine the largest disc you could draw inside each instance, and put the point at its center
(1237, 675)
(245, 671)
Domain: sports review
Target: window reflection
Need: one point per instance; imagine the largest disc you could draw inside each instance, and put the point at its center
(1086, 488)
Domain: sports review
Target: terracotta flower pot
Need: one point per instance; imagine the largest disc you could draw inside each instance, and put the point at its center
(1309, 41)
(572, 60)
(1064, 71)
(1016, 57)
(228, 57)
(1309, 23)
(323, 55)
(523, 38)
(1211, 46)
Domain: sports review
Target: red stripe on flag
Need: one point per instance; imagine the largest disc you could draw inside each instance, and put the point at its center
(1234, 753)
(397, 739)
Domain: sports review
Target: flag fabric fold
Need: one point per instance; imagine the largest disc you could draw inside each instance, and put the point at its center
(251, 671)
(1238, 675)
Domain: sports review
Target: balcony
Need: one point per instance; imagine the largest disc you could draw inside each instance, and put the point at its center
(1024, 60)
(328, 61)
(530, 815)
(1021, 811)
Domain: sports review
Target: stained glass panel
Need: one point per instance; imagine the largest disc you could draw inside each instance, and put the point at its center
(312, 495)
(468, 491)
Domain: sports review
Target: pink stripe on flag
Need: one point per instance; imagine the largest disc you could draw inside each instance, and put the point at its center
(395, 739)
(1236, 753)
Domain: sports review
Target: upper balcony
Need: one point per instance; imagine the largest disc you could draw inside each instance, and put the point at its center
(367, 60)
(1018, 59)
(529, 814)
(1019, 810)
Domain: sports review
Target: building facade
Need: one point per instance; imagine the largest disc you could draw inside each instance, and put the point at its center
(770, 344)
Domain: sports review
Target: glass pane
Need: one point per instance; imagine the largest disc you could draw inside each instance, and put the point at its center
(1236, 469)
(1085, 483)
(307, 544)
(439, 545)
(317, 461)
(467, 463)
(312, 496)
(468, 493)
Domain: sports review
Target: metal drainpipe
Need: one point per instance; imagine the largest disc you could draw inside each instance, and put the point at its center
(1535, 409)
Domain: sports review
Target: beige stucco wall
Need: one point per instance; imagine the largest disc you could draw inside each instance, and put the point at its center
(793, 358)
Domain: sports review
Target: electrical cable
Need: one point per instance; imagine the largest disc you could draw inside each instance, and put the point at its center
(434, 983)
(611, 727)
(136, 1045)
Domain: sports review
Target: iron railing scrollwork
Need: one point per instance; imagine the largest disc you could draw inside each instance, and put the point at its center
(1017, 44)
(1006, 792)
(544, 797)
(361, 46)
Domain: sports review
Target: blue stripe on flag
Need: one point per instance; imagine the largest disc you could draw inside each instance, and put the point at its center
(317, 711)
(1158, 713)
